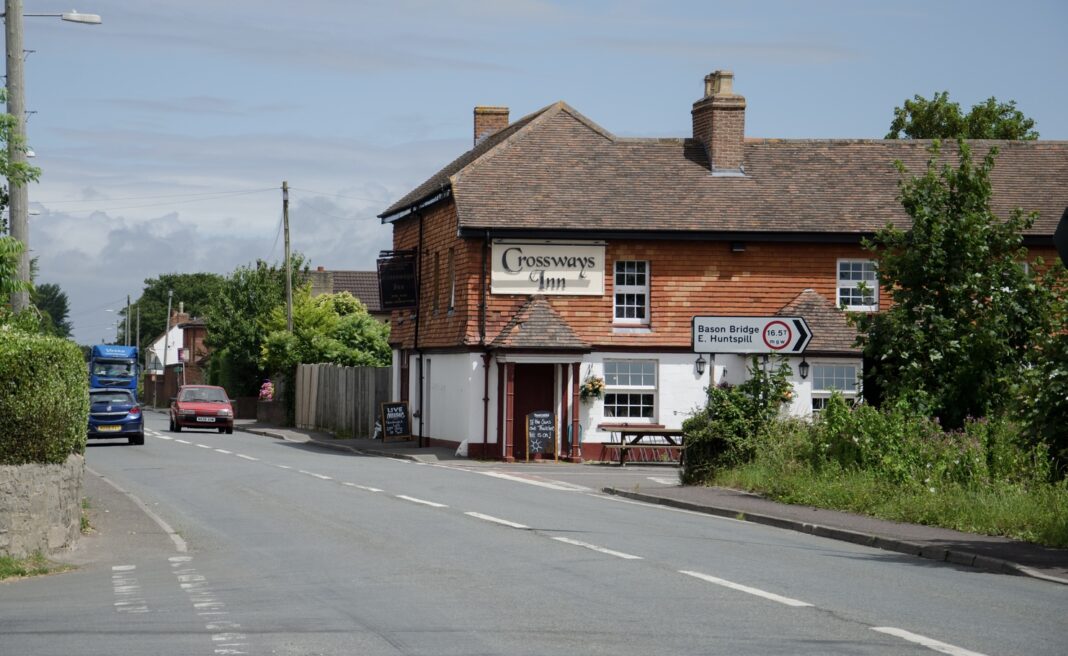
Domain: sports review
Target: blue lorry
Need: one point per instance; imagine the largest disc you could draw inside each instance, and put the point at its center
(113, 366)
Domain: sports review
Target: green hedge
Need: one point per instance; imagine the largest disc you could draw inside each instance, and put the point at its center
(44, 398)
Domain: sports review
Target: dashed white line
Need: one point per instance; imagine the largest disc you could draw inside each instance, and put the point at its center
(556, 485)
(319, 476)
(241, 455)
(421, 501)
(495, 520)
(365, 488)
(283, 466)
(745, 588)
(182, 441)
(594, 547)
(224, 451)
(225, 633)
(162, 437)
(204, 446)
(936, 645)
(127, 590)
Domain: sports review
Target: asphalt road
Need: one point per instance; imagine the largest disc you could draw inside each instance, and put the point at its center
(236, 544)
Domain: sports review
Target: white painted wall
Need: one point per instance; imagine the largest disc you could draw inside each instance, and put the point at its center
(156, 349)
(452, 394)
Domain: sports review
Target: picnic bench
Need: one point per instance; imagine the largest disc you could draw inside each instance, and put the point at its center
(642, 438)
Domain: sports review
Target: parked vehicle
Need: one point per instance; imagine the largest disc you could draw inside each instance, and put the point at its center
(113, 366)
(115, 413)
(202, 406)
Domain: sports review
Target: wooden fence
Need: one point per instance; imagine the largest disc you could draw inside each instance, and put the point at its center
(340, 400)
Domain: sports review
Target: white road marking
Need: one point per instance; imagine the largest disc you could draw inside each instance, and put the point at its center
(225, 633)
(224, 451)
(320, 476)
(127, 590)
(745, 588)
(926, 642)
(179, 543)
(161, 437)
(610, 552)
(664, 481)
(241, 455)
(495, 520)
(656, 506)
(181, 441)
(555, 485)
(362, 487)
(422, 501)
(203, 446)
(283, 466)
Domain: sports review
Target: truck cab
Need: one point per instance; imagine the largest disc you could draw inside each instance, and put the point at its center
(112, 366)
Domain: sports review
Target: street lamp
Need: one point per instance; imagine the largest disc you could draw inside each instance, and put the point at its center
(16, 147)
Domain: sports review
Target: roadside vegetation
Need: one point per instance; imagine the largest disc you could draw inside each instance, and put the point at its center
(965, 419)
(35, 565)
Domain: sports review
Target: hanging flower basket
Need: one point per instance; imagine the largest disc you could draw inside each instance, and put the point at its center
(592, 388)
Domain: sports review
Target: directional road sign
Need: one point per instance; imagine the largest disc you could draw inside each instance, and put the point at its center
(786, 335)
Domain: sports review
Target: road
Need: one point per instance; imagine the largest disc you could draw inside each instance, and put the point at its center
(237, 544)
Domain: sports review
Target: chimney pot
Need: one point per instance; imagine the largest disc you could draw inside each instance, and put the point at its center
(489, 121)
(320, 268)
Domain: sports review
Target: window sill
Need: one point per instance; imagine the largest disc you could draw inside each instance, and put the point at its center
(624, 426)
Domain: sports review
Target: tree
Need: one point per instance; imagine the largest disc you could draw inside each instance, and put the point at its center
(53, 304)
(967, 314)
(330, 328)
(235, 323)
(939, 118)
(22, 173)
(197, 292)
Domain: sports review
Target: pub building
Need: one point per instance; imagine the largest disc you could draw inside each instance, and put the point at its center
(554, 257)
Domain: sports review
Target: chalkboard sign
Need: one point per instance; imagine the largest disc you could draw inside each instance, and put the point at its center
(541, 433)
(395, 424)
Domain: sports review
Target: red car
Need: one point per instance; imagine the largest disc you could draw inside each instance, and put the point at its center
(202, 406)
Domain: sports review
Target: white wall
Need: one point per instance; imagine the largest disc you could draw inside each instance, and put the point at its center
(452, 396)
(175, 342)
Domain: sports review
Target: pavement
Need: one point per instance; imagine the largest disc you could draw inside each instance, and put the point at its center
(985, 552)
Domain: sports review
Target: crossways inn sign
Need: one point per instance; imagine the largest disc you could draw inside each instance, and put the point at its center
(785, 335)
(547, 267)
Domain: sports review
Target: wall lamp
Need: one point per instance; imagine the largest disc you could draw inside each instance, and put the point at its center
(737, 246)
(700, 364)
(803, 368)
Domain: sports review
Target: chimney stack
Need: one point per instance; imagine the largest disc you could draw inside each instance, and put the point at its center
(488, 121)
(719, 122)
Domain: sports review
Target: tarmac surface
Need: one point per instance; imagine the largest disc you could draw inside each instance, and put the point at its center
(985, 552)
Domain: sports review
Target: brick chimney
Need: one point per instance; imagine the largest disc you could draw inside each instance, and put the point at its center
(489, 120)
(719, 122)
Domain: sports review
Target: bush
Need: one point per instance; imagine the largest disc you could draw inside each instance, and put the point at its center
(44, 398)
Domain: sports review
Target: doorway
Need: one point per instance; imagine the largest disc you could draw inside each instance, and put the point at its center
(534, 386)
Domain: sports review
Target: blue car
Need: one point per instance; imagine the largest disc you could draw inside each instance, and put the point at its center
(115, 413)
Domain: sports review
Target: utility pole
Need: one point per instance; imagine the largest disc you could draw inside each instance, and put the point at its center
(167, 338)
(289, 272)
(126, 321)
(16, 148)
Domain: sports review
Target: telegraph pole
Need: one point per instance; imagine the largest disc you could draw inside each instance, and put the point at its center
(16, 148)
(289, 272)
(126, 321)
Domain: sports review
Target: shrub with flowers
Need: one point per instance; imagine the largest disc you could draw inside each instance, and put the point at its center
(592, 388)
(267, 391)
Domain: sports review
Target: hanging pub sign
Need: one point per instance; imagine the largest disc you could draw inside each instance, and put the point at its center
(547, 267)
(397, 280)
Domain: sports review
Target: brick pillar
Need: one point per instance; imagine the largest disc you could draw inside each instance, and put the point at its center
(576, 447)
(719, 122)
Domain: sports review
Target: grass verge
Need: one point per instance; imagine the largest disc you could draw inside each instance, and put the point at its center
(1036, 513)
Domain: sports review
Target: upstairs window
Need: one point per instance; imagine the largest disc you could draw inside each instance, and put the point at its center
(858, 289)
(452, 279)
(631, 292)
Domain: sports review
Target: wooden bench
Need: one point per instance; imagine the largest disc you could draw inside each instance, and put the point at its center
(642, 438)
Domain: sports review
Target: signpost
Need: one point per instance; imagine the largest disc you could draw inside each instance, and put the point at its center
(750, 335)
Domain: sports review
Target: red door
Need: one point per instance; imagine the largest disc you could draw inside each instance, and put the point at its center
(533, 391)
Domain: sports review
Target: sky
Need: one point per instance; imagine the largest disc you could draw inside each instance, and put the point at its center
(164, 133)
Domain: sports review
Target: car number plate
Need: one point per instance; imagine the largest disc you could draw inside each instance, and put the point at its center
(207, 419)
(108, 429)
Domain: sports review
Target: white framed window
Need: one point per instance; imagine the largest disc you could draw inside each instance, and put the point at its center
(630, 389)
(858, 288)
(452, 279)
(827, 378)
(631, 288)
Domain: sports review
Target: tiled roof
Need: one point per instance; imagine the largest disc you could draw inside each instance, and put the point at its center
(831, 332)
(555, 170)
(537, 326)
(361, 284)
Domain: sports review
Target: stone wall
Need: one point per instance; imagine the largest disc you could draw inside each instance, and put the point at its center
(40, 507)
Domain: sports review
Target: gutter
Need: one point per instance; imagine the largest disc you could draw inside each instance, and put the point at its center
(424, 202)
